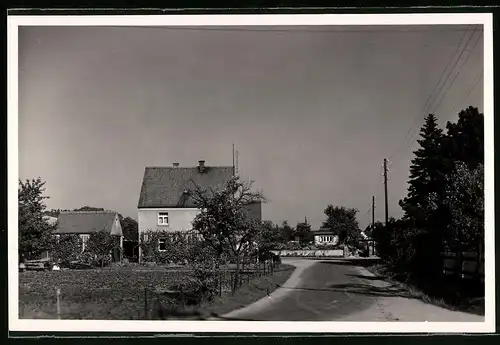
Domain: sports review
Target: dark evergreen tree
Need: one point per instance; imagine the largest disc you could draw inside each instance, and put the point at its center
(428, 172)
(303, 233)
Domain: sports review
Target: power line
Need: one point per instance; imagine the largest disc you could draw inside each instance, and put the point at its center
(294, 29)
(469, 91)
(415, 127)
(463, 64)
(417, 118)
(412, 138)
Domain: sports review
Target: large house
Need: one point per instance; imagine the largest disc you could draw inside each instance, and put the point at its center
(165, 203)
(84, 223)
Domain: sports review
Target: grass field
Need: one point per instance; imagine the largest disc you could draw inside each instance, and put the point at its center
(120, 293)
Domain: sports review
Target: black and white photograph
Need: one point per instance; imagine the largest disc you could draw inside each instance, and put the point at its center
(212, 171)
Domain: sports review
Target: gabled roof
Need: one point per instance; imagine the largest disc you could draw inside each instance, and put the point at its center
(166, 186)
(85, 222)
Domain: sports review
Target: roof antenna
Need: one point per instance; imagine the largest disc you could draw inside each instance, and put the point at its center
(234, 169)
(237, 155)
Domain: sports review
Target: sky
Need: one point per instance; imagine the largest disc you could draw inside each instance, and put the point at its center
(312, 111)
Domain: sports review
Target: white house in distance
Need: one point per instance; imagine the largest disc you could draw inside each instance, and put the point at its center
(165, 203)
(324, 237)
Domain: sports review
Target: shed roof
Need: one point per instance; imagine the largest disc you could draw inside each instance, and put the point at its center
(85, 222)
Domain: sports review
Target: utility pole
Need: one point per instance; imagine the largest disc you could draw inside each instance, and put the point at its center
(234, 169)
(373, 212)
(385, 192)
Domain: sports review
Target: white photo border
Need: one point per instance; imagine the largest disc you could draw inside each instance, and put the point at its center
(16, 324)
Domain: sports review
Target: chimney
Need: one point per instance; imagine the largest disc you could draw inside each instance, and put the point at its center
(176, 165)
(201, 166)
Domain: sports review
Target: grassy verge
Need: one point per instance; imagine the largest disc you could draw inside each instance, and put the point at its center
(252, 292)
(446, 294)
(119, 293)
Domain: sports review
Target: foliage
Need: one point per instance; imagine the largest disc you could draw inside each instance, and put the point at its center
(89, 208)
(66, 248)
(268, 236)
(224, 222)
(176, 246)
(35, 233)
(465, 198)
(465, 139)
(100, 244)
(303, 233)
(130, 229)
(427, 174)
(286, 232)
(342, 221)
(205, 270)
(445, 201)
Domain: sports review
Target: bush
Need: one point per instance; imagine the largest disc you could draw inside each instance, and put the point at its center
(66, 248)
(175, 243)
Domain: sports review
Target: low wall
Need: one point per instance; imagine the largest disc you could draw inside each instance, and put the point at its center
(310, 253)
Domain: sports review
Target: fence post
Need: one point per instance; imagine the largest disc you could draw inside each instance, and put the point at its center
(220, 283)
(146, 303)
(58, 296)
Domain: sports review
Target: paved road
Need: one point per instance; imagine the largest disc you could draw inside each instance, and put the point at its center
(326, 290)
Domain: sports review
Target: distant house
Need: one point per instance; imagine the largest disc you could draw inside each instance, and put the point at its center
(50, 220)
(84, 223)
(165, 203)
(325, 236)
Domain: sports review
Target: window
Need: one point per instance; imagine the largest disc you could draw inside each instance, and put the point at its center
(84, 239)
(162, 218)
(162, 246)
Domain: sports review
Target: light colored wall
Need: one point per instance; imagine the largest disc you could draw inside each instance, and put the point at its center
(318, 241)
(310, 253)
(179, 219)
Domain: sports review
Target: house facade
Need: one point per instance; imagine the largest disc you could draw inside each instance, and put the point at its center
(323, 237)
(165, 203)
(84, 223)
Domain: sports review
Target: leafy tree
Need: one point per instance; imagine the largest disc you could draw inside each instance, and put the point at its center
(465, 198)
(224, 223)
(130, 229)
(465, 139)
(100, 244)
(66, 248)
(268, 237)
(342, 221)
(287, 232)
(34, 232)
(89, 208)
(303, 233)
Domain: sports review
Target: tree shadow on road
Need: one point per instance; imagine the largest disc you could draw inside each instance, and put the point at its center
(393, 290)
(352, 262)
(366, 277)
(362, 289)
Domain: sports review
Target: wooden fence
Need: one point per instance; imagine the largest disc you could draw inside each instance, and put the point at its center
(465, 265)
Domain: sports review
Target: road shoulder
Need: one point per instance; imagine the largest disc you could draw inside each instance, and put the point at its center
(279, 293)
(405, 309)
